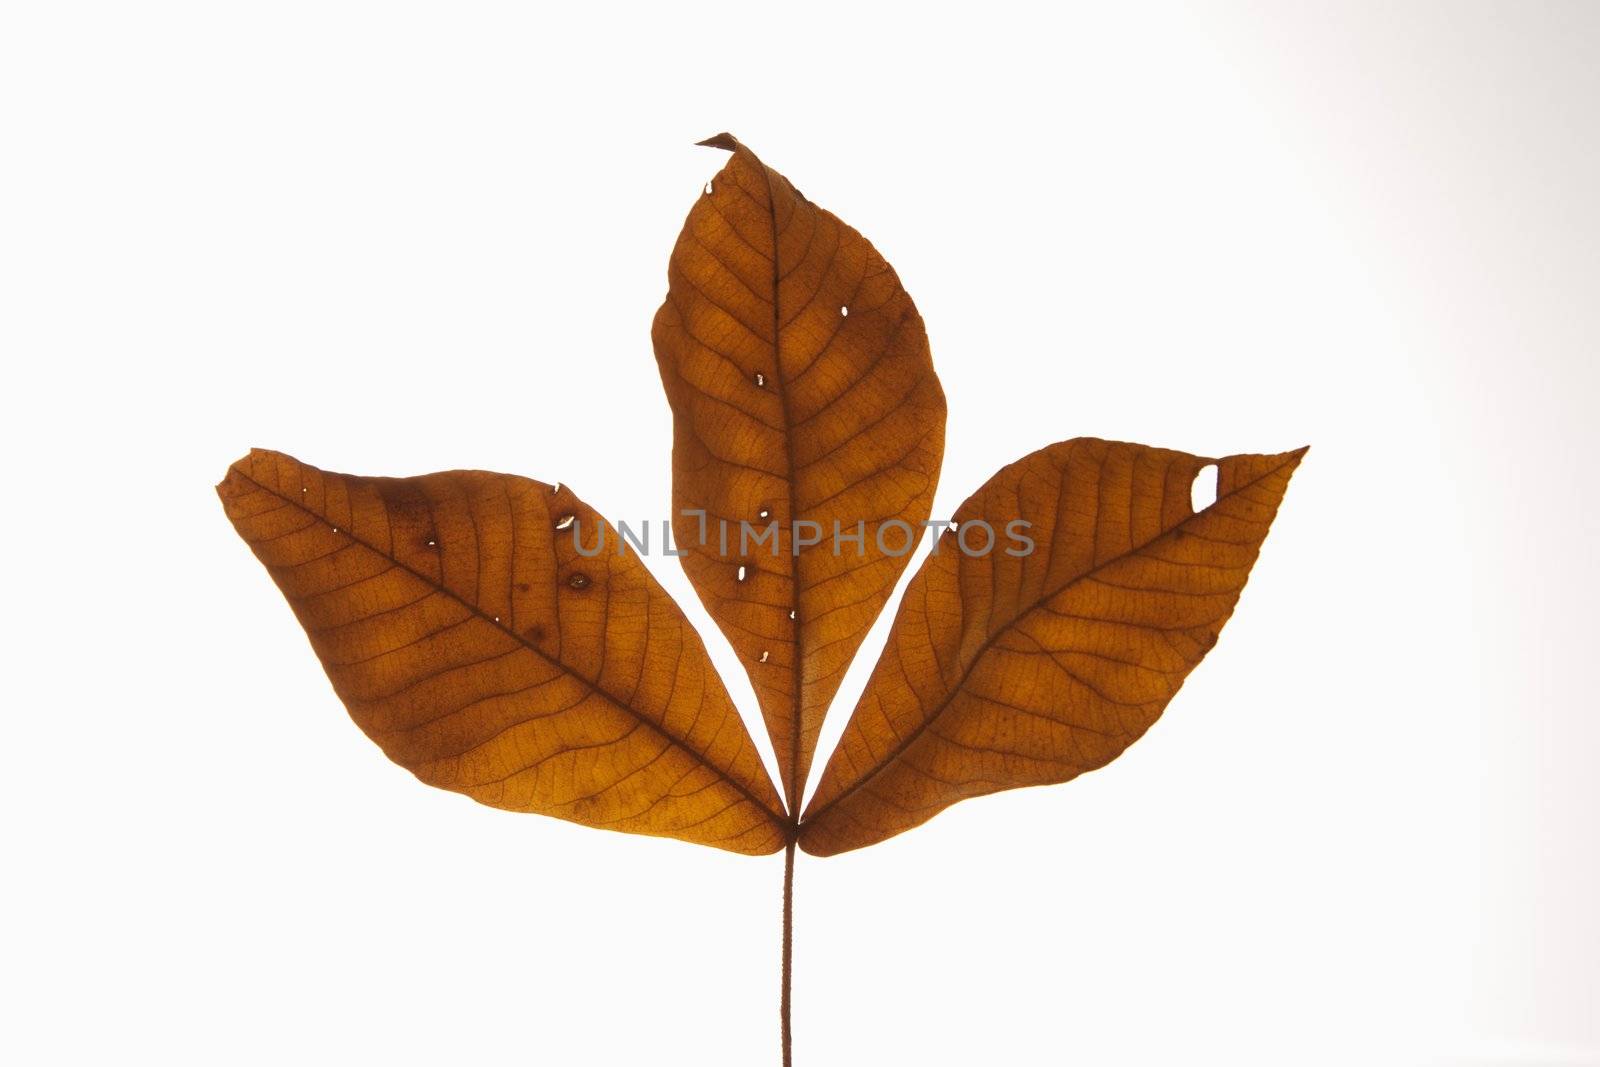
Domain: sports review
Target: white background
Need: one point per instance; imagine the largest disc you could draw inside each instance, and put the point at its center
(396, 238)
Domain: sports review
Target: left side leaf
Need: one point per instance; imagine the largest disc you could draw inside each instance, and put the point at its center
(470, 639)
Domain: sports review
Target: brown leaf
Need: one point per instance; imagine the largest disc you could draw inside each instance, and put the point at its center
(484, 649)
(1004, 671)
(802, 391)
(486, 656)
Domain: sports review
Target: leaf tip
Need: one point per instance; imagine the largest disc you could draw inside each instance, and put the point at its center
(243, 467)
(725, 141)
(233, 469)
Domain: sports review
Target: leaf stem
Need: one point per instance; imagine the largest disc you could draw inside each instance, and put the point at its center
(788, 949)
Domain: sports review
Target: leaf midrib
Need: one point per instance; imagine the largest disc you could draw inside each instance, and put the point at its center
(794, 784)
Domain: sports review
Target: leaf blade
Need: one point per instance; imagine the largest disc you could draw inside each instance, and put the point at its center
(802, 389)
(471, 644)
(1004, 672)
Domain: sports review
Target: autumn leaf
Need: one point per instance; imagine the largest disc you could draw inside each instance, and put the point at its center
(1013, 670)
(483, 654)
(804, 401)
(488, 650)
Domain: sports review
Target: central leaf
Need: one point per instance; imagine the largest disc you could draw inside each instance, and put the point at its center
(808, 435)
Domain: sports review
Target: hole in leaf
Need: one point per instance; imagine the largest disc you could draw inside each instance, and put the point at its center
(740, 576)
(764, 655)
(579, 580)
(763, 513)
(708, 188)
(845, 311)
(761, 379)
(1203, 493)
(791, 613)
(564, 521)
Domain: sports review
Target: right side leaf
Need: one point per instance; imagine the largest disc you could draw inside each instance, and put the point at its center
(1007, 670)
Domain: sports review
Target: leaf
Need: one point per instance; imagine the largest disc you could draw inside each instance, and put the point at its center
(1004, 671)
(802, 391)
(490, 653)
(485, 655)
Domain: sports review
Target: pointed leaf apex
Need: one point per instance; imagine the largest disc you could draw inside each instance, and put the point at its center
(725, 141)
